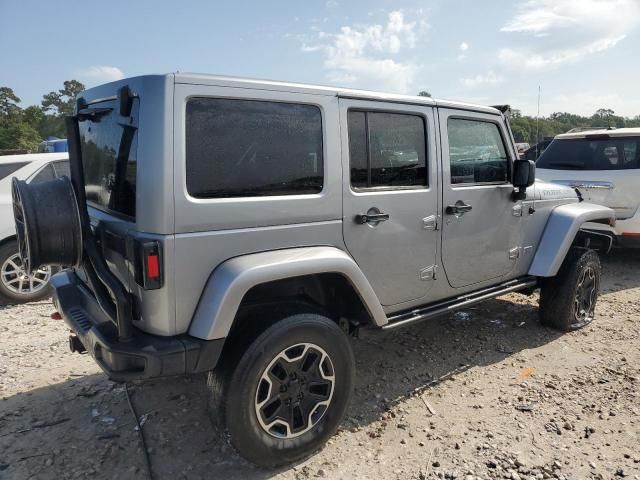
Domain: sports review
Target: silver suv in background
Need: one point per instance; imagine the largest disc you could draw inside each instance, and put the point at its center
(603, 165)
(16, 285)
(246, 228)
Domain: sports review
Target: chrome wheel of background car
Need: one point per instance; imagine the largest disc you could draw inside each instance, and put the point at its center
(585, 297)
(16, 280)
(295, 391)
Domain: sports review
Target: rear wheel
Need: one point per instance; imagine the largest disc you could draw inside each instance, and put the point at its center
(287, 392)
(568, 300)
(16, 285)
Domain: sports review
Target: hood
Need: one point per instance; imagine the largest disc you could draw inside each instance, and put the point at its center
(542, 190)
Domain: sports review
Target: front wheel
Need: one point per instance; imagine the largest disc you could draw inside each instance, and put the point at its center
(568, 300)
(288, 392)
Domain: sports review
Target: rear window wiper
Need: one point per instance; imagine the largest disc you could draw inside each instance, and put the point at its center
(93, 114)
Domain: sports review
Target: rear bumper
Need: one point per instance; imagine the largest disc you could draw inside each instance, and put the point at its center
(144, 355)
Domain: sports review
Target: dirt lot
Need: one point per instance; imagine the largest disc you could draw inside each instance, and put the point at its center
(484, 393)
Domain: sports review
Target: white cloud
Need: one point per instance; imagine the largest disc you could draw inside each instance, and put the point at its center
(364, 55)
(464, 46)
(100, 74)
(528, 59)
(567, 31)
(490, 78)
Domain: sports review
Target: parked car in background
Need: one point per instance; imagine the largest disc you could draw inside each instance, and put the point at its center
(521, 147)
(604, 166)
(53, 145)
(16, 286)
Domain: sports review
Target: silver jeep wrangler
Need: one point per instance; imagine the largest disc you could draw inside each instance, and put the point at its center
(246, 228)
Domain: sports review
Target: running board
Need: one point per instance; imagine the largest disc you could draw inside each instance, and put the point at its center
(419, 314)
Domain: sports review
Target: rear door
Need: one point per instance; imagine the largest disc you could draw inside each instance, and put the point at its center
(390, 195)
(606, 169)
(108, 142)
(482, 224)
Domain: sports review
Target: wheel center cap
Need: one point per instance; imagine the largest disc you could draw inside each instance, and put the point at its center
(294, 389)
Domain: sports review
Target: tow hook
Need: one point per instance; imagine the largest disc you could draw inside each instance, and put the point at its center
(75, 345)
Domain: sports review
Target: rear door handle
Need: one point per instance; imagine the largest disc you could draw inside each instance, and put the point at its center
(459, 207)
(363, 218)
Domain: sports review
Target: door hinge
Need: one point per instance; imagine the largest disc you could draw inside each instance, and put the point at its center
(428, 273)
(514, 253)
(430, 222)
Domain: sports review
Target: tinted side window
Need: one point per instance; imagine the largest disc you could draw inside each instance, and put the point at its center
(247, 148)
(7, 169)
(44, 175)
(358, 155)
(62, 168)
(476, 152)
(387, 150)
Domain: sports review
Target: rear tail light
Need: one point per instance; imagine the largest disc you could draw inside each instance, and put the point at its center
(148, 269)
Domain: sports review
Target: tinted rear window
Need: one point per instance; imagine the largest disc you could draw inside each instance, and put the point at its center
(387, 150)
(247, 148)
(109, 147)
(7, 169)
(620, 153)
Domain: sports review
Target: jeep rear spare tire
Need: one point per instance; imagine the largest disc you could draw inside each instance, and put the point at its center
(568, 300)
(48, 228)
(288, 392)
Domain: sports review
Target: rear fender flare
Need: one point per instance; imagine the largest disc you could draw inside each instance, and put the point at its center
(562, 226)
(231, 280)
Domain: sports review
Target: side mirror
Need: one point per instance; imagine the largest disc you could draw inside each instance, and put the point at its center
(524, 175)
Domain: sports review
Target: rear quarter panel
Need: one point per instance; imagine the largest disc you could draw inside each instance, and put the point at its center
(210, 231)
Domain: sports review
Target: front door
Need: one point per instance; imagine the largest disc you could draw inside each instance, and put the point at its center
(481, 223)
(390, 196)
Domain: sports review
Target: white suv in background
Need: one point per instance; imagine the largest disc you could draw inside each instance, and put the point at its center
(15, 285)
(604, 166)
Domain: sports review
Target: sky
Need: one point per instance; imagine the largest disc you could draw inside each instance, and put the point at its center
(582, 54)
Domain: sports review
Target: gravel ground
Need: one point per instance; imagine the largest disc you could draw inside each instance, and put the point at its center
(483, 393)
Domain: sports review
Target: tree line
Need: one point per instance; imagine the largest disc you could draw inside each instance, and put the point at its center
(22, 129)
(528, 129)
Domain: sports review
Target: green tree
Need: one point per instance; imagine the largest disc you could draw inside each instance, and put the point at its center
(63, 101)
(19, 135)
(424, 93)
(16, 131)
(8, 103)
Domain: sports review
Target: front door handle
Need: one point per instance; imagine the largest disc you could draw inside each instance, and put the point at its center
(363, 218)
(458, 208)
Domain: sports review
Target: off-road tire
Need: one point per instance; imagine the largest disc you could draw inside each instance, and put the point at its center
(8, 297)
(560, 296)
(235, 382)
